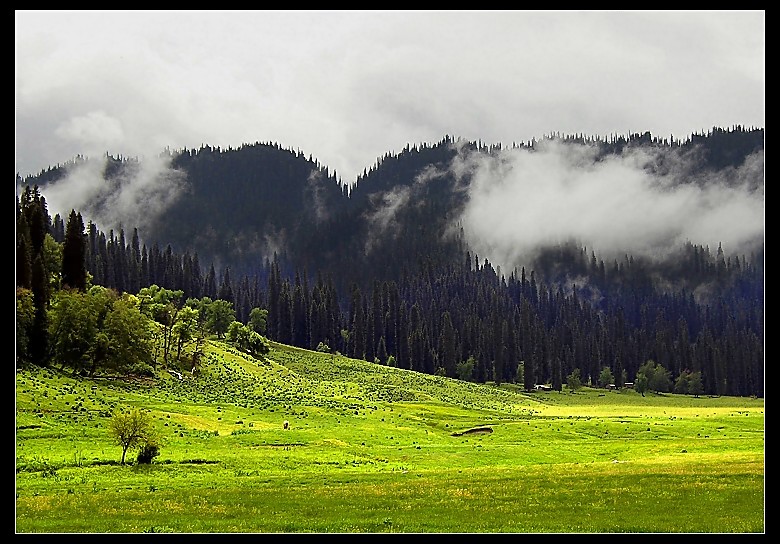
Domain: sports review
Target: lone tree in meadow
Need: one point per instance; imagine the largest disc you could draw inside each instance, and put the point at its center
(132, 429)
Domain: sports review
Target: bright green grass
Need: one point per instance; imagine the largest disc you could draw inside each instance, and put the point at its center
(371, 449)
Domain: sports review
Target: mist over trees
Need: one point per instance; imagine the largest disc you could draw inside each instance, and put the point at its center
(385, 270)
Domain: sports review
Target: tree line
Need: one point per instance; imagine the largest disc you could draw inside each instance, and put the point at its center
(463, 319)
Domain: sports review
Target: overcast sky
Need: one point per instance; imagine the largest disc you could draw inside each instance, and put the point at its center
(348, 86)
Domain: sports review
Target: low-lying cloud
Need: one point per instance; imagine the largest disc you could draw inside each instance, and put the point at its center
(137, 197)
(382, 218)
(521, 201)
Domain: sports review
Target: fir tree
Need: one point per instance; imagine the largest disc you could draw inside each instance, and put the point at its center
(74, 271)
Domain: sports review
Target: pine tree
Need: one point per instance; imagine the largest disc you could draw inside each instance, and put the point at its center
(357, 334)
(285, 314)
(274, 291)
(209, 284)
(381, 351)
(447, 348)
(300, 331)
(74, 271)
(226, 287)
(23, 264)
(39, 334)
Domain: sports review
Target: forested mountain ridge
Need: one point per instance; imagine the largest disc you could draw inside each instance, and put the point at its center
(237, 207)
(384, 268)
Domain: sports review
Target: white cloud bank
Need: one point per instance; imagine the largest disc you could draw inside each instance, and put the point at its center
(520, 201)
(137, 198)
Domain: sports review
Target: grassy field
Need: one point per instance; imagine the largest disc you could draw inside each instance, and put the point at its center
(372, 449)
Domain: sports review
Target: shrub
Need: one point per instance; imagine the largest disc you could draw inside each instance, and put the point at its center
(142, 369)
(147, 453)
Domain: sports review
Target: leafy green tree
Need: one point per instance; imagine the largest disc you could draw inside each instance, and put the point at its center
(661, 380)
(257, 345)
(573, 380)
(220, 315)
(202, 329)
(185, 330)
(131, 429)
(163, 306)
(258, 320)
(246, 339)
(52, 259)
(73, 328)
(234, 332)
(658, 378)
(128, 334)
(25, 315)
(97, 330)
(641, 383)
(606, 377)
(101, 301)
(465, 369)
(681, 384)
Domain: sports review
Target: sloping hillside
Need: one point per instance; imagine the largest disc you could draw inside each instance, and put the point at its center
(309, 442)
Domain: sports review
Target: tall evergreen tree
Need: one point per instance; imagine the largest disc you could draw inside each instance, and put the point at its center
(357, 335)
(300, 331)
(39, 334)
(284, 333)
(210, 284)
(226, 287)
(23, 263)
(447, 348)
(274, 292)
(74, 270)
(381, 351)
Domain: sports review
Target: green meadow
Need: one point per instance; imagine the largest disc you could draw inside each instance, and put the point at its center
(373, 449)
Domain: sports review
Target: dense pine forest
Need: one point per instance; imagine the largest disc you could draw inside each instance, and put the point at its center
(382, 269)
